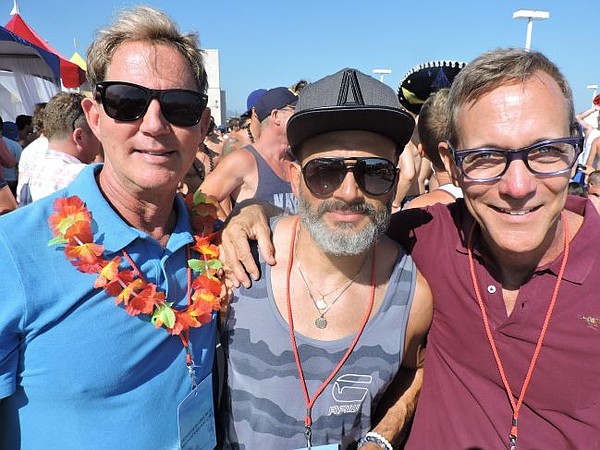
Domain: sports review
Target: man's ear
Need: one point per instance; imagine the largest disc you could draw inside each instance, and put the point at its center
(92, 115)
(205, 123)
(77, 136)
(449, 165)
(295, 174)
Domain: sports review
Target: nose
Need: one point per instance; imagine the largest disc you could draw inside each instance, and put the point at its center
(517, 181)
(154, 122)
(349, 189)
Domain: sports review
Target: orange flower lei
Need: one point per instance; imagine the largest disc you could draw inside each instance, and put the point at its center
(71, 226)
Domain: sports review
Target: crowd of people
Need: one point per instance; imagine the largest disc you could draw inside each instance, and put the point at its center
(344, 266)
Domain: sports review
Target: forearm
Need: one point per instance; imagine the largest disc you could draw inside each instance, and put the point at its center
(582, 115)
(397, 407)
(249, 222)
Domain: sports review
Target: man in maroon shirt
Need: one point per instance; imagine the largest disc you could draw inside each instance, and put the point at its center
(513, 358)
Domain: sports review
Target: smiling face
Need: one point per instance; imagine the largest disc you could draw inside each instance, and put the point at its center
(347, 221)
(518, 214)
(150, 155)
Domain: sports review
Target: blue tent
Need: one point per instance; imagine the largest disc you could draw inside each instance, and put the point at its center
(16, 53)
(28, 75)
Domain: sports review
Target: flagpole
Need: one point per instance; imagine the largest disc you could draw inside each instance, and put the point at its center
(15, 9)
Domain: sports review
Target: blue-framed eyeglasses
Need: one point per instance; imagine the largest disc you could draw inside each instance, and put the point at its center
(545, 158)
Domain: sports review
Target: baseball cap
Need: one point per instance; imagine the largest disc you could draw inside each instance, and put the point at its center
(253, 98)
(349, 100)
(423, 80)
(275, 98)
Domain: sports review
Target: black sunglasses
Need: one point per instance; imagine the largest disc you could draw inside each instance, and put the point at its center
(128, 102)
(375, 176)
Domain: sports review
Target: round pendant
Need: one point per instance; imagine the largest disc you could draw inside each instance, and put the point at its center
(321, 304)
(321, 322)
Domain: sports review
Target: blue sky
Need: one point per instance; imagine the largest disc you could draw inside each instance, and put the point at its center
(268, 43)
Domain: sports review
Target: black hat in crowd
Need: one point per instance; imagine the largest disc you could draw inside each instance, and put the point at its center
(349, 100)
(425, 79)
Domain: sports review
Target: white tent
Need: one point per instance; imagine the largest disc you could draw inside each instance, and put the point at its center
(28, 75)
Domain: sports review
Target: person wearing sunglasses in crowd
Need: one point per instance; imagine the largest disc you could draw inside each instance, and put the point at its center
(341, 317)
(512, 354)
(79, 368)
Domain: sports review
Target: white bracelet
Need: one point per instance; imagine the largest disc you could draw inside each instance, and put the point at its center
(375, 438)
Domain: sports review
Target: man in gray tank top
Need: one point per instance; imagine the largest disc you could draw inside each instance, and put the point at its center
(325, 350)
(259, 171)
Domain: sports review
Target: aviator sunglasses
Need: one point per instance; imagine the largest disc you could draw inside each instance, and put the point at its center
(374, 176)
(128, 102)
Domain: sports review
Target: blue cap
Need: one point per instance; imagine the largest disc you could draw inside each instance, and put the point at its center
(275, 98)
(253, 98)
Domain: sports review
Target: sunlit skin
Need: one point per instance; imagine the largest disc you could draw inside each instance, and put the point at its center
(519, 214)
(145, 159)
(344, 144)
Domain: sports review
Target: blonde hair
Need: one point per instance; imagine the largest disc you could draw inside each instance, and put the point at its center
(62, 115)
(143, 23)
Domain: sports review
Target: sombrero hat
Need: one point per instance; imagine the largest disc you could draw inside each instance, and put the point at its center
(423, 80)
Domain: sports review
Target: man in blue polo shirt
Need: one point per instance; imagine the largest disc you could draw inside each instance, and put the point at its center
(76, 370)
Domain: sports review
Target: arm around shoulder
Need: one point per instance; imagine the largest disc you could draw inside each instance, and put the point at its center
(251, 222)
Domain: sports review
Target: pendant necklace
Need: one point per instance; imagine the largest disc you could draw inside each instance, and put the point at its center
(322, 306)
(310, 401)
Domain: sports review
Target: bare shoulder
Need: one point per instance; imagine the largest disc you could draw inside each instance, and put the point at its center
(238, 156)
(232, 172)
(431, 198)
(234, 165)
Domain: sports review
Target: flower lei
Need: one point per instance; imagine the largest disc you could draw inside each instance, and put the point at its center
(71, 226)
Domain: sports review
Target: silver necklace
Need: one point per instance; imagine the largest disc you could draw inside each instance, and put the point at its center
(322, 306)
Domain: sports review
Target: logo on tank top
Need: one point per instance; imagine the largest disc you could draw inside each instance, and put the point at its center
(349, 391)
(287, 201)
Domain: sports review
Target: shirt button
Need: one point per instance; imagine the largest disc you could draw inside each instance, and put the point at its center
(491, 289)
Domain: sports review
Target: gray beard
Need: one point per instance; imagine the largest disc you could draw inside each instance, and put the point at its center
(343, 240)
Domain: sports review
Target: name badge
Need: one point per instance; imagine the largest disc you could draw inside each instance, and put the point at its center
(196, 418)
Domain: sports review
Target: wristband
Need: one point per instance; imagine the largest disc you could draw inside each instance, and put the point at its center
(375, 438)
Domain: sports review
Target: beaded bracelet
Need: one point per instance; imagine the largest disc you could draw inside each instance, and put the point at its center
(375, 438)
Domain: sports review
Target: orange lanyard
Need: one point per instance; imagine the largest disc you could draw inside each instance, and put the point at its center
(307, 399)
(516, 406)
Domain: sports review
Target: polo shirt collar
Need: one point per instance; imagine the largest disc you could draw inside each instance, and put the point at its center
(583, 257)
(109, 228)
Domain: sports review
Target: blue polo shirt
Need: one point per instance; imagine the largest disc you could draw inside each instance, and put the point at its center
(76, 371)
